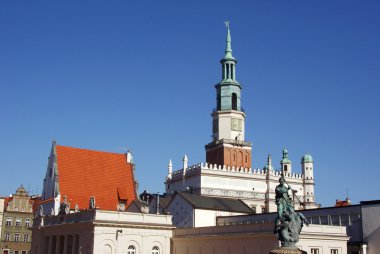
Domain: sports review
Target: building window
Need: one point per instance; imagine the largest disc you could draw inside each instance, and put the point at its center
(27, 222)
(17, 237)
(18, 222)
(263, 209)
(155, 250)
(7, 236)
(334, 251)
(17, 252)
(314, 251)
(131, 249)
(234, 101)
(9, 221)
(23, 252)
(26, 237)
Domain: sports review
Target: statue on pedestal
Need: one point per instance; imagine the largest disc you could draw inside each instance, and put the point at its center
(288, 223)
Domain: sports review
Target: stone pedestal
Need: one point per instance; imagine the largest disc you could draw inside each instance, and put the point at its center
(287, 250)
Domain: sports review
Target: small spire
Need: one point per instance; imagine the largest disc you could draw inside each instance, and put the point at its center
(170, 169)
(228, 42)
(284, 153)
(269, 160)
(185, 160)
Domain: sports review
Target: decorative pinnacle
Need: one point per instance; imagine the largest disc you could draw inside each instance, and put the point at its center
(228, 41)
(269, 160)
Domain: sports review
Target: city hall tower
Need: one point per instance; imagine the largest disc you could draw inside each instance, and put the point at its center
(228, 146)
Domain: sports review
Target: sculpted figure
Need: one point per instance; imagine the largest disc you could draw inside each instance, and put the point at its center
(288, 223)
(64, 207)
(92, 204)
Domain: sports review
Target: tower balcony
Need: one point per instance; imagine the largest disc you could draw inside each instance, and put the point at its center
(226, 109)
(233, 142)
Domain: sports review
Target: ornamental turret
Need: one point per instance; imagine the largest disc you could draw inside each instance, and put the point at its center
(308, 180)
(228, 146)
(170, 169)
(286, 164)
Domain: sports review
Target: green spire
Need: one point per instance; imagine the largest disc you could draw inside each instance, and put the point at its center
(285, 153)
(285, 158)
(228, 42)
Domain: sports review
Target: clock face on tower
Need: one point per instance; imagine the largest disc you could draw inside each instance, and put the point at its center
(236, 124)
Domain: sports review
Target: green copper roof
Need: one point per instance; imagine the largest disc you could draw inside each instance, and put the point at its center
(228, 51)
(285, 159)
(307, 158)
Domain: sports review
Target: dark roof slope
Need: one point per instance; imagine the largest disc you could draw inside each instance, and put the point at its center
(214, 203)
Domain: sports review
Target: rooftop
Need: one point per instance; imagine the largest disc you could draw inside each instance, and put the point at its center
(84, 173)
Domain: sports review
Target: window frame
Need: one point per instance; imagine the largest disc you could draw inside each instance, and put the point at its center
(131, 249)
(156, 250)
(9, 221)
(18, 222)
(314, 250)
(16, 237)
(27, 222)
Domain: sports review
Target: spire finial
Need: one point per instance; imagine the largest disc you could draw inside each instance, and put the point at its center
(269, 160)
(170, 169)
(285, 153)
(228, 41)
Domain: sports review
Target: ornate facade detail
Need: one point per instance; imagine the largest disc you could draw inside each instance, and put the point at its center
(232, 193)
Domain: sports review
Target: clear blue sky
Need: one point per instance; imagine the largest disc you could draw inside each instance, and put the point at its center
(110, 75)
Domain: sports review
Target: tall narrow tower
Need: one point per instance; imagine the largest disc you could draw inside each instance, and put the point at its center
(228, 146)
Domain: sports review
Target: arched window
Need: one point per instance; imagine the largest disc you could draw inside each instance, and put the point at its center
(131, 249)
(155, 250)
(285, 168)
(234, 101)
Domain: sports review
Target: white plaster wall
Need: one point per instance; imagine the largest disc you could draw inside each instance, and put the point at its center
(225, 132)
(232, 183)
(207, 218)
(193, 181)
(253, 239)
(144, 239)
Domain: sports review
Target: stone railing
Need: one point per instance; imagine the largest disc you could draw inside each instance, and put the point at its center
(195, 169)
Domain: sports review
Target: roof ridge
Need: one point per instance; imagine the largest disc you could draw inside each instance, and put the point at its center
(90, 150)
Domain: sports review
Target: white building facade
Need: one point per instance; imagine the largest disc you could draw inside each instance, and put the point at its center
(105, 232)
(256, 239)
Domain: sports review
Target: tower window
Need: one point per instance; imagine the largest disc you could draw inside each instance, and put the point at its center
(234, 101)
(285, 168)
(232, 71)
(228, 71)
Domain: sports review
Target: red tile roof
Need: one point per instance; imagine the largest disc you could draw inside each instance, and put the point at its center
(340, 203)
(84, 173)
